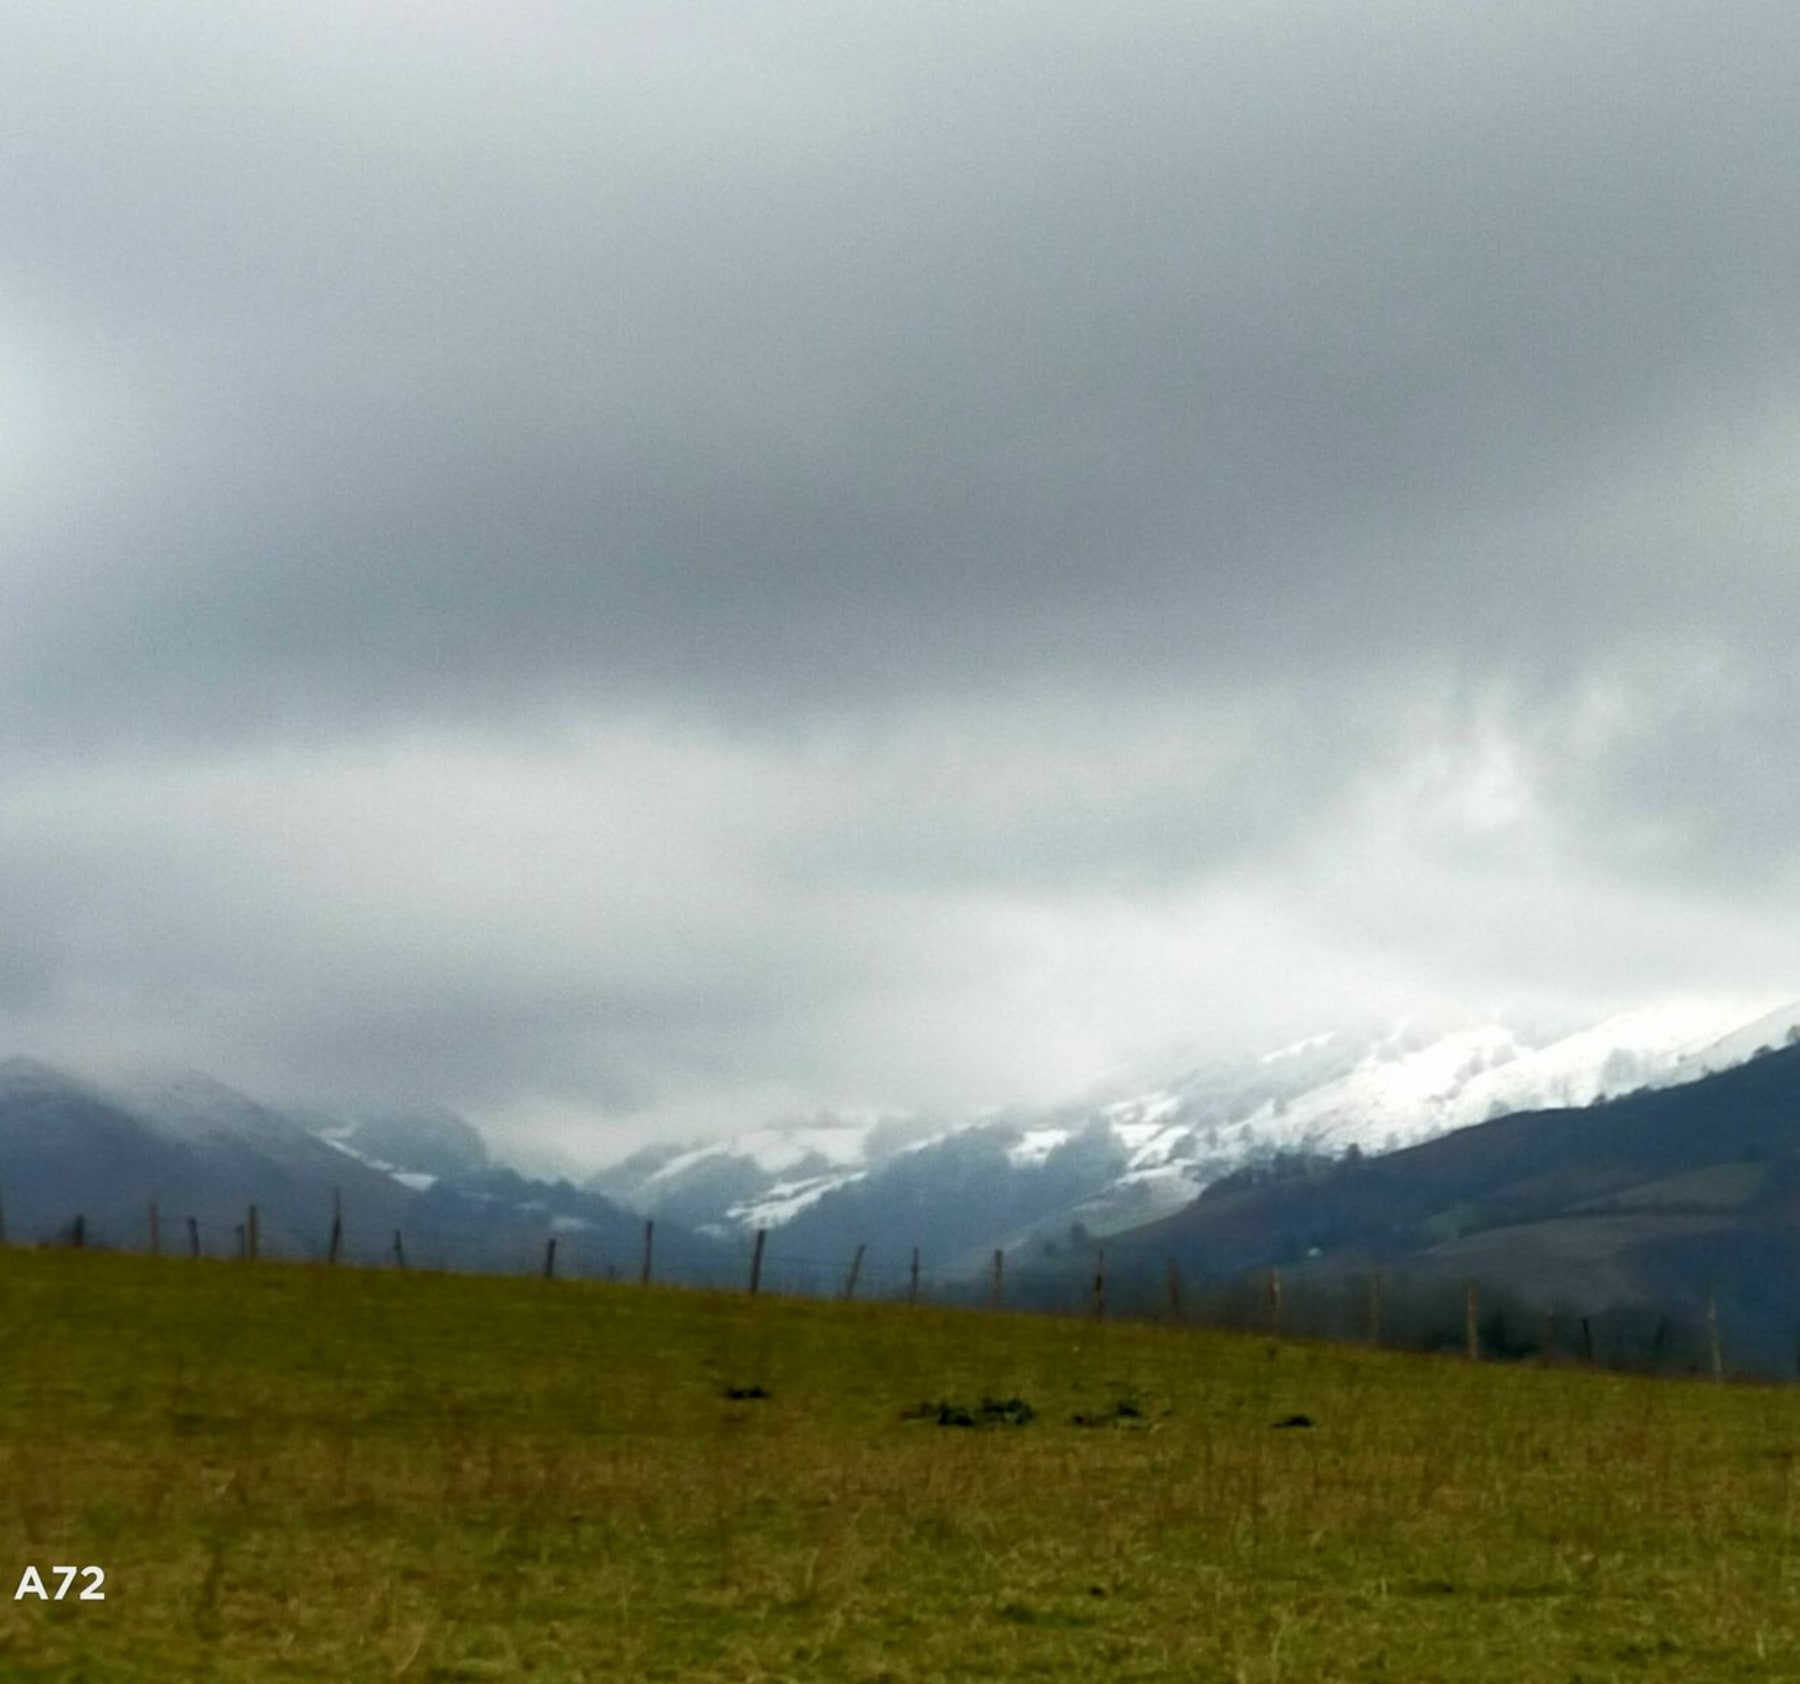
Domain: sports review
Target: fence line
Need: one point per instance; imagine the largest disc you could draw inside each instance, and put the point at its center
(1690, 1340)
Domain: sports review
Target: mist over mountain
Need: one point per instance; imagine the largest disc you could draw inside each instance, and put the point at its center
(105, 1149)
(638, 573)
(1120, 1159)
(1325, 1154)
(430, 1140)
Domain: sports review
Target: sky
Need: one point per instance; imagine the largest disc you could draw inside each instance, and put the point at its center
(633, 570)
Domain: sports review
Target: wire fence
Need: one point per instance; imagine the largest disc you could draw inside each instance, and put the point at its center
(1475, 1319)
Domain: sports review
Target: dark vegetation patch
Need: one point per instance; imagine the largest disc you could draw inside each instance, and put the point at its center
(990, 1412)
(1020, 1613)
(1529, 1591)
(1130, 1411)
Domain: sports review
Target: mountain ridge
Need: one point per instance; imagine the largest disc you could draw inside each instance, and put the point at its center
(1678, 1200)
(105, 1149)
(1372, 1089)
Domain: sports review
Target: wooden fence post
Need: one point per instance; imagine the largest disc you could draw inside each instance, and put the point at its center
(399, 1250)
(1174, 1290)
(1714, 1350)
(337, 1225)
(193, 1236)
(78, 1234)
(912, 1280)
(251, 1236)
(1549, 1337)
(1273, 1288)
(1375, 1309)
(649, 1249)
(155, 1231)
(1471, 1324)
(550, 1258)
(756, 1257)
(1587, 1342)
(855, 1270)
(997, 1286)
(1099, 1283)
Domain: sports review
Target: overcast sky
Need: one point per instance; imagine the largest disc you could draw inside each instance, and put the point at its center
(633, 569)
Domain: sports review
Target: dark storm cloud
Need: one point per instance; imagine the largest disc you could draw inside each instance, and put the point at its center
(971, 492)
(813, 359)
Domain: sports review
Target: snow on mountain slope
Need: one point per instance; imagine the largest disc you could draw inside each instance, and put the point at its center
(1396, 1095)
(1395, 1098)
(761, 1178)
(781, 1146)
(1778, 1028)
(1654, 1046)
(785, 1200)
(200, 1111)
(1371, 1088)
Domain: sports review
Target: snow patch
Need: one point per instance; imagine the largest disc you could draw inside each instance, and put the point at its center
(1035, 1145)
(786, 1199)
(779, 1147)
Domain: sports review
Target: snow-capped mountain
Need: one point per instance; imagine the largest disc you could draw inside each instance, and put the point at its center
(764, 1177)
(1404, 1091)
(1151, 1150)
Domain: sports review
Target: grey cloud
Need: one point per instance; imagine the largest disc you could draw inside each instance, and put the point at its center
(1137, 442)
(1117, 795)
(1188, 344)
(1689, 784)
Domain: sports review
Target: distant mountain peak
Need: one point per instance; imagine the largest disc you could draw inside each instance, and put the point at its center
(1372, 1086)
(427, 1140)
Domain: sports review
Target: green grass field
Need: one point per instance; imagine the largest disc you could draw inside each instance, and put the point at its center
(305, 1473)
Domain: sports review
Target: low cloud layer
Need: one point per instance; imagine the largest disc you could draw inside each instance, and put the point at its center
(625, 572)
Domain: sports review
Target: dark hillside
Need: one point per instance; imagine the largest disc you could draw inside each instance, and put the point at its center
(1653, 1199)
(199, 1149)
